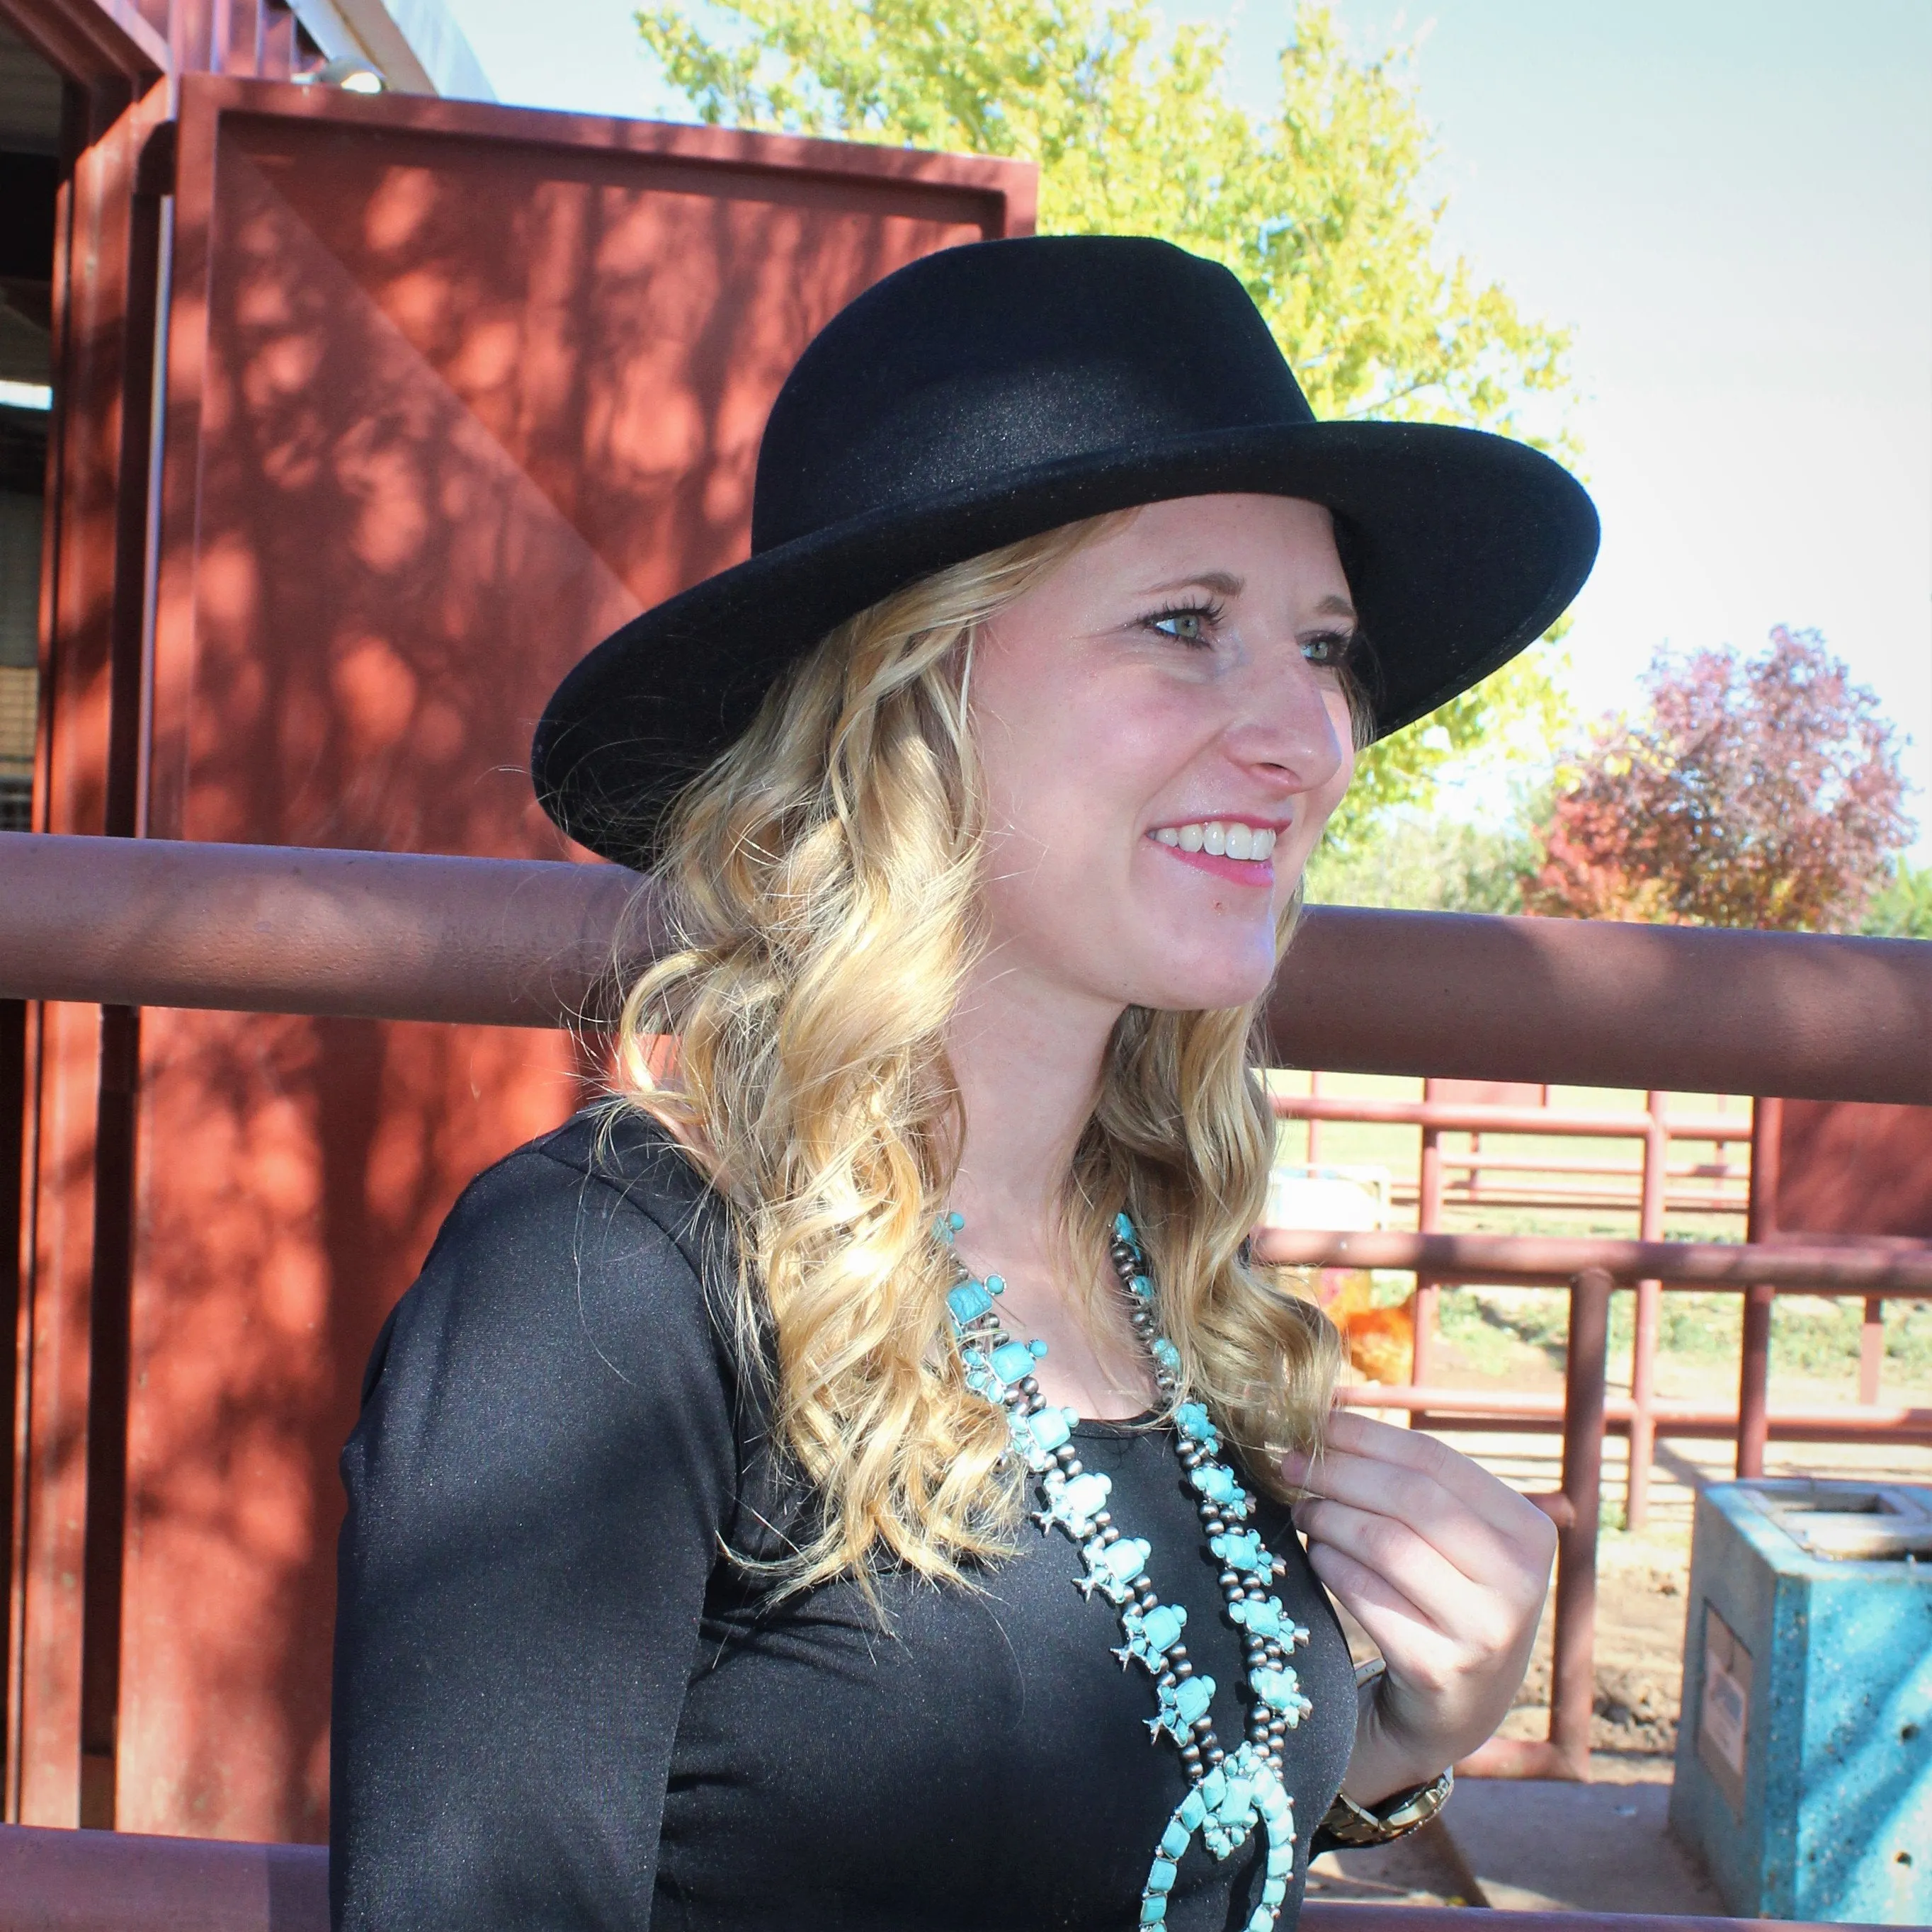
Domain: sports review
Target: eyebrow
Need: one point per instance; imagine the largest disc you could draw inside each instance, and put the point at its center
(1225, 583)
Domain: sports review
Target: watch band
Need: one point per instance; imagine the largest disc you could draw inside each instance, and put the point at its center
(1350, 1825)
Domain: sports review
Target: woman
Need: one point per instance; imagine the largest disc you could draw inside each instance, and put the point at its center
(846, 1481)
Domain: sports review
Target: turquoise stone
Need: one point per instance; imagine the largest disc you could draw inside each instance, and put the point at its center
(1264, 1618)
(1241, 1550)
(1274, 1891)
(1165, 1353)
(1273, 1801)
(1161, 1878)
(1127, 1558)
(1216, 1484)
(1191, 1419)
(1278, 1687)
(1193, 1810)
(1211, 1787)
(1142, 1287)
(1193, 1696)
(1174, 1840)
(1153, 1909)
(1280, 1860)
(1124, 1229)
(1048, 1427)
(1012, 1361)
(1161, 1628)
(968, 1301)
(996, 1284)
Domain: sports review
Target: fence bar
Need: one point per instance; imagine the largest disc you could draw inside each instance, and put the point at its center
(259, 928)
(1565, 1753)
(1477, 1116)
(1879, 1269)
(1871, 1348)
(1451, 1408)
(69, 1881)
(1649, 1308)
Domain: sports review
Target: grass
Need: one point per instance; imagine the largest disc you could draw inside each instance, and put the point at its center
(1810, 1336)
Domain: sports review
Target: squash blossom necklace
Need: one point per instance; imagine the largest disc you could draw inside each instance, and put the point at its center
(1229, 1793)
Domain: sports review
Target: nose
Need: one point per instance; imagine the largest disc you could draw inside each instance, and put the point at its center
(1286, 726)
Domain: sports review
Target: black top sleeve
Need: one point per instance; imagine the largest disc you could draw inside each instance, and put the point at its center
(546, 1460)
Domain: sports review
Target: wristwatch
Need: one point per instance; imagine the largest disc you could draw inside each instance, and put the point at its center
(1351, 1826)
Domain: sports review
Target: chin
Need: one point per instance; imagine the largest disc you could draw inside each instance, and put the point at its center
(1222, 984)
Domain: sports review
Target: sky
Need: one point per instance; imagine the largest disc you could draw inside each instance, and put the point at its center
(1728, 202)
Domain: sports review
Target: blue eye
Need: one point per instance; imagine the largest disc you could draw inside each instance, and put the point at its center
(1330, 650)
(1189, 624)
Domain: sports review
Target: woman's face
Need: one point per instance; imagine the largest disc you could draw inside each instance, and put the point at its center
(1163, 735)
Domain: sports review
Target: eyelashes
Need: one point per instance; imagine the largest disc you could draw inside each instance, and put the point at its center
(1194, 623)
(1195, 626)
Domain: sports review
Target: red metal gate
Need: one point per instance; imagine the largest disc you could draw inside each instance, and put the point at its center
(450, 390)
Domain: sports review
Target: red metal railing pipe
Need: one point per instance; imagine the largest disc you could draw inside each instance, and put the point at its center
(257, 928)
(1555, 1259)
(1592, 1004)
(69, 1881)
(162, 922)
(1452, 1117)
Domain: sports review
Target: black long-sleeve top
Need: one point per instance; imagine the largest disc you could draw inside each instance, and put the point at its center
(558, 1704)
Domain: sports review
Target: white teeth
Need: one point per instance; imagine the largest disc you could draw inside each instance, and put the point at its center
(1253, 843)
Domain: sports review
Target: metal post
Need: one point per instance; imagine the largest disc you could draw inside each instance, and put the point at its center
(1649, 1309)
(1428, 1220)
(1314, 1126)
(1754, 1361)
(1573, 1688)
(1871, 1349)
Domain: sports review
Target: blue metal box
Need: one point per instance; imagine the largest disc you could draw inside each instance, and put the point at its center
(1804, 1752)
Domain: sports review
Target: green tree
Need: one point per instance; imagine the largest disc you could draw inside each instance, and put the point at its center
(1902, 907)
(1318, 206)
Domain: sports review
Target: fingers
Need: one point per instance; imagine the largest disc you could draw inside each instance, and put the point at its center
(1424, 1455)
(1469, 1539)
(1411, 1642)
(1444, 1596)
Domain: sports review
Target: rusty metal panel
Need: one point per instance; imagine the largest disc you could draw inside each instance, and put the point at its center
(1850, 1168)
(103, 296)
(450, 390)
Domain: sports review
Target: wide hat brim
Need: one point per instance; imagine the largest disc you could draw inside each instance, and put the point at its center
(1461, 548)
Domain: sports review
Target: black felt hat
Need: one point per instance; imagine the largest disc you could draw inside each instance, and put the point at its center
(989, 393)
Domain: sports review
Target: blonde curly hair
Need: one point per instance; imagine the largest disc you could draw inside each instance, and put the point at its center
(822, 880)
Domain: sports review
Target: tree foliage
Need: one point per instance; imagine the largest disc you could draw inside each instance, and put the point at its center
(1318, 206)
(1763, 791)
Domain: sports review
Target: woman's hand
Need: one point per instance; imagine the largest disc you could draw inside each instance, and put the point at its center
(1446, 1568)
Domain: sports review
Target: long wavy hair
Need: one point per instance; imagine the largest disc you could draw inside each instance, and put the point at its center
(822, 879)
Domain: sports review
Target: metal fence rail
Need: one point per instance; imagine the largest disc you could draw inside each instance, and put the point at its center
(64, 1881)
(1593, 1268)
(264, 928)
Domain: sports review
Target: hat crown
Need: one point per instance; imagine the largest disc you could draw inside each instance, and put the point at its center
(981, 363)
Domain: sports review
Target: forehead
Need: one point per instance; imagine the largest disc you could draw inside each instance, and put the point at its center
(1228, 543)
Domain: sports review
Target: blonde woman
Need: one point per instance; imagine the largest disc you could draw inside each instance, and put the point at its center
(851, 1479)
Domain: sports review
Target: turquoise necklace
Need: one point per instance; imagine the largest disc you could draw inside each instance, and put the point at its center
(1229, 1793)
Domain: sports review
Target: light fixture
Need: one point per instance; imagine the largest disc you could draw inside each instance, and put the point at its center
(349, 72)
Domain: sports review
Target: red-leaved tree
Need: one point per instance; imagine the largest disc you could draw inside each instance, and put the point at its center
(1763, 791)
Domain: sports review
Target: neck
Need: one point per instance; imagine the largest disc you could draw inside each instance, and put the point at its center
(1027, 1058)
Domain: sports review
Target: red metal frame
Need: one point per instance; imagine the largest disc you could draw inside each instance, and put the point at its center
(229, 928)
(121, 1882)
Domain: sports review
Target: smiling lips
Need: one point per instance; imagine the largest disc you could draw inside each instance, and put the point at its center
(1229, 848)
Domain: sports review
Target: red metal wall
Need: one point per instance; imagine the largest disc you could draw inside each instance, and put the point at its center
(451, 391)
